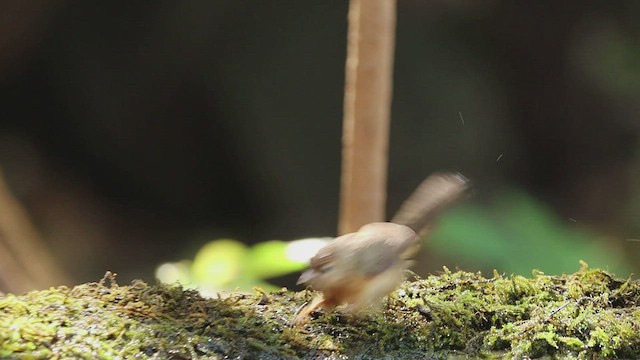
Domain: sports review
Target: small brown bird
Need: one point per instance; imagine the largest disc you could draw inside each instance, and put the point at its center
(360, 268)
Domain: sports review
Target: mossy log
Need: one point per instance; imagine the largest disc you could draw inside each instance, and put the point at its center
(588, 314)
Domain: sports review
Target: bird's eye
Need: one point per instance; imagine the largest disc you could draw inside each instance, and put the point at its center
(325, 269)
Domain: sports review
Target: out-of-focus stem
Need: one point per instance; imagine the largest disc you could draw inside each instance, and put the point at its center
(367, 109)
(27, 264)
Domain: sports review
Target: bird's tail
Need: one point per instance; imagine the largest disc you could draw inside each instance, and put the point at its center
(436, 193)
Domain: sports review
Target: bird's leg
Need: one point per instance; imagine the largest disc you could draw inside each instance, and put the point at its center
(303, 316)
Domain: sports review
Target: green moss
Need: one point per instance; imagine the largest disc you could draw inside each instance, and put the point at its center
(583, 315)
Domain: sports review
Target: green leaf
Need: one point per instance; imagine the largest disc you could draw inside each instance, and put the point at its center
(269, 259)
(219, 262)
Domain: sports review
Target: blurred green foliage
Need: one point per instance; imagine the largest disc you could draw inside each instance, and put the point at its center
(229, 265)
(516, 234)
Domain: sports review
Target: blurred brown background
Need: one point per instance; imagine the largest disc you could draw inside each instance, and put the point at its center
(133, 132)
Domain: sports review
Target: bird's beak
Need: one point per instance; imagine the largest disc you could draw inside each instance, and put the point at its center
(307, 276)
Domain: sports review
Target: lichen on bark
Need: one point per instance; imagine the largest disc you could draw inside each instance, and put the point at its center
(452, 314)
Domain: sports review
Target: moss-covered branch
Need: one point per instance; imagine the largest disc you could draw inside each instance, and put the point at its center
(583, 315)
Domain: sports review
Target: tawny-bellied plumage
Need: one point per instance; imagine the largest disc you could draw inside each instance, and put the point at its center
(360, 268)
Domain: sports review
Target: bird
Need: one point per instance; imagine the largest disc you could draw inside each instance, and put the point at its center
(360, 268)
